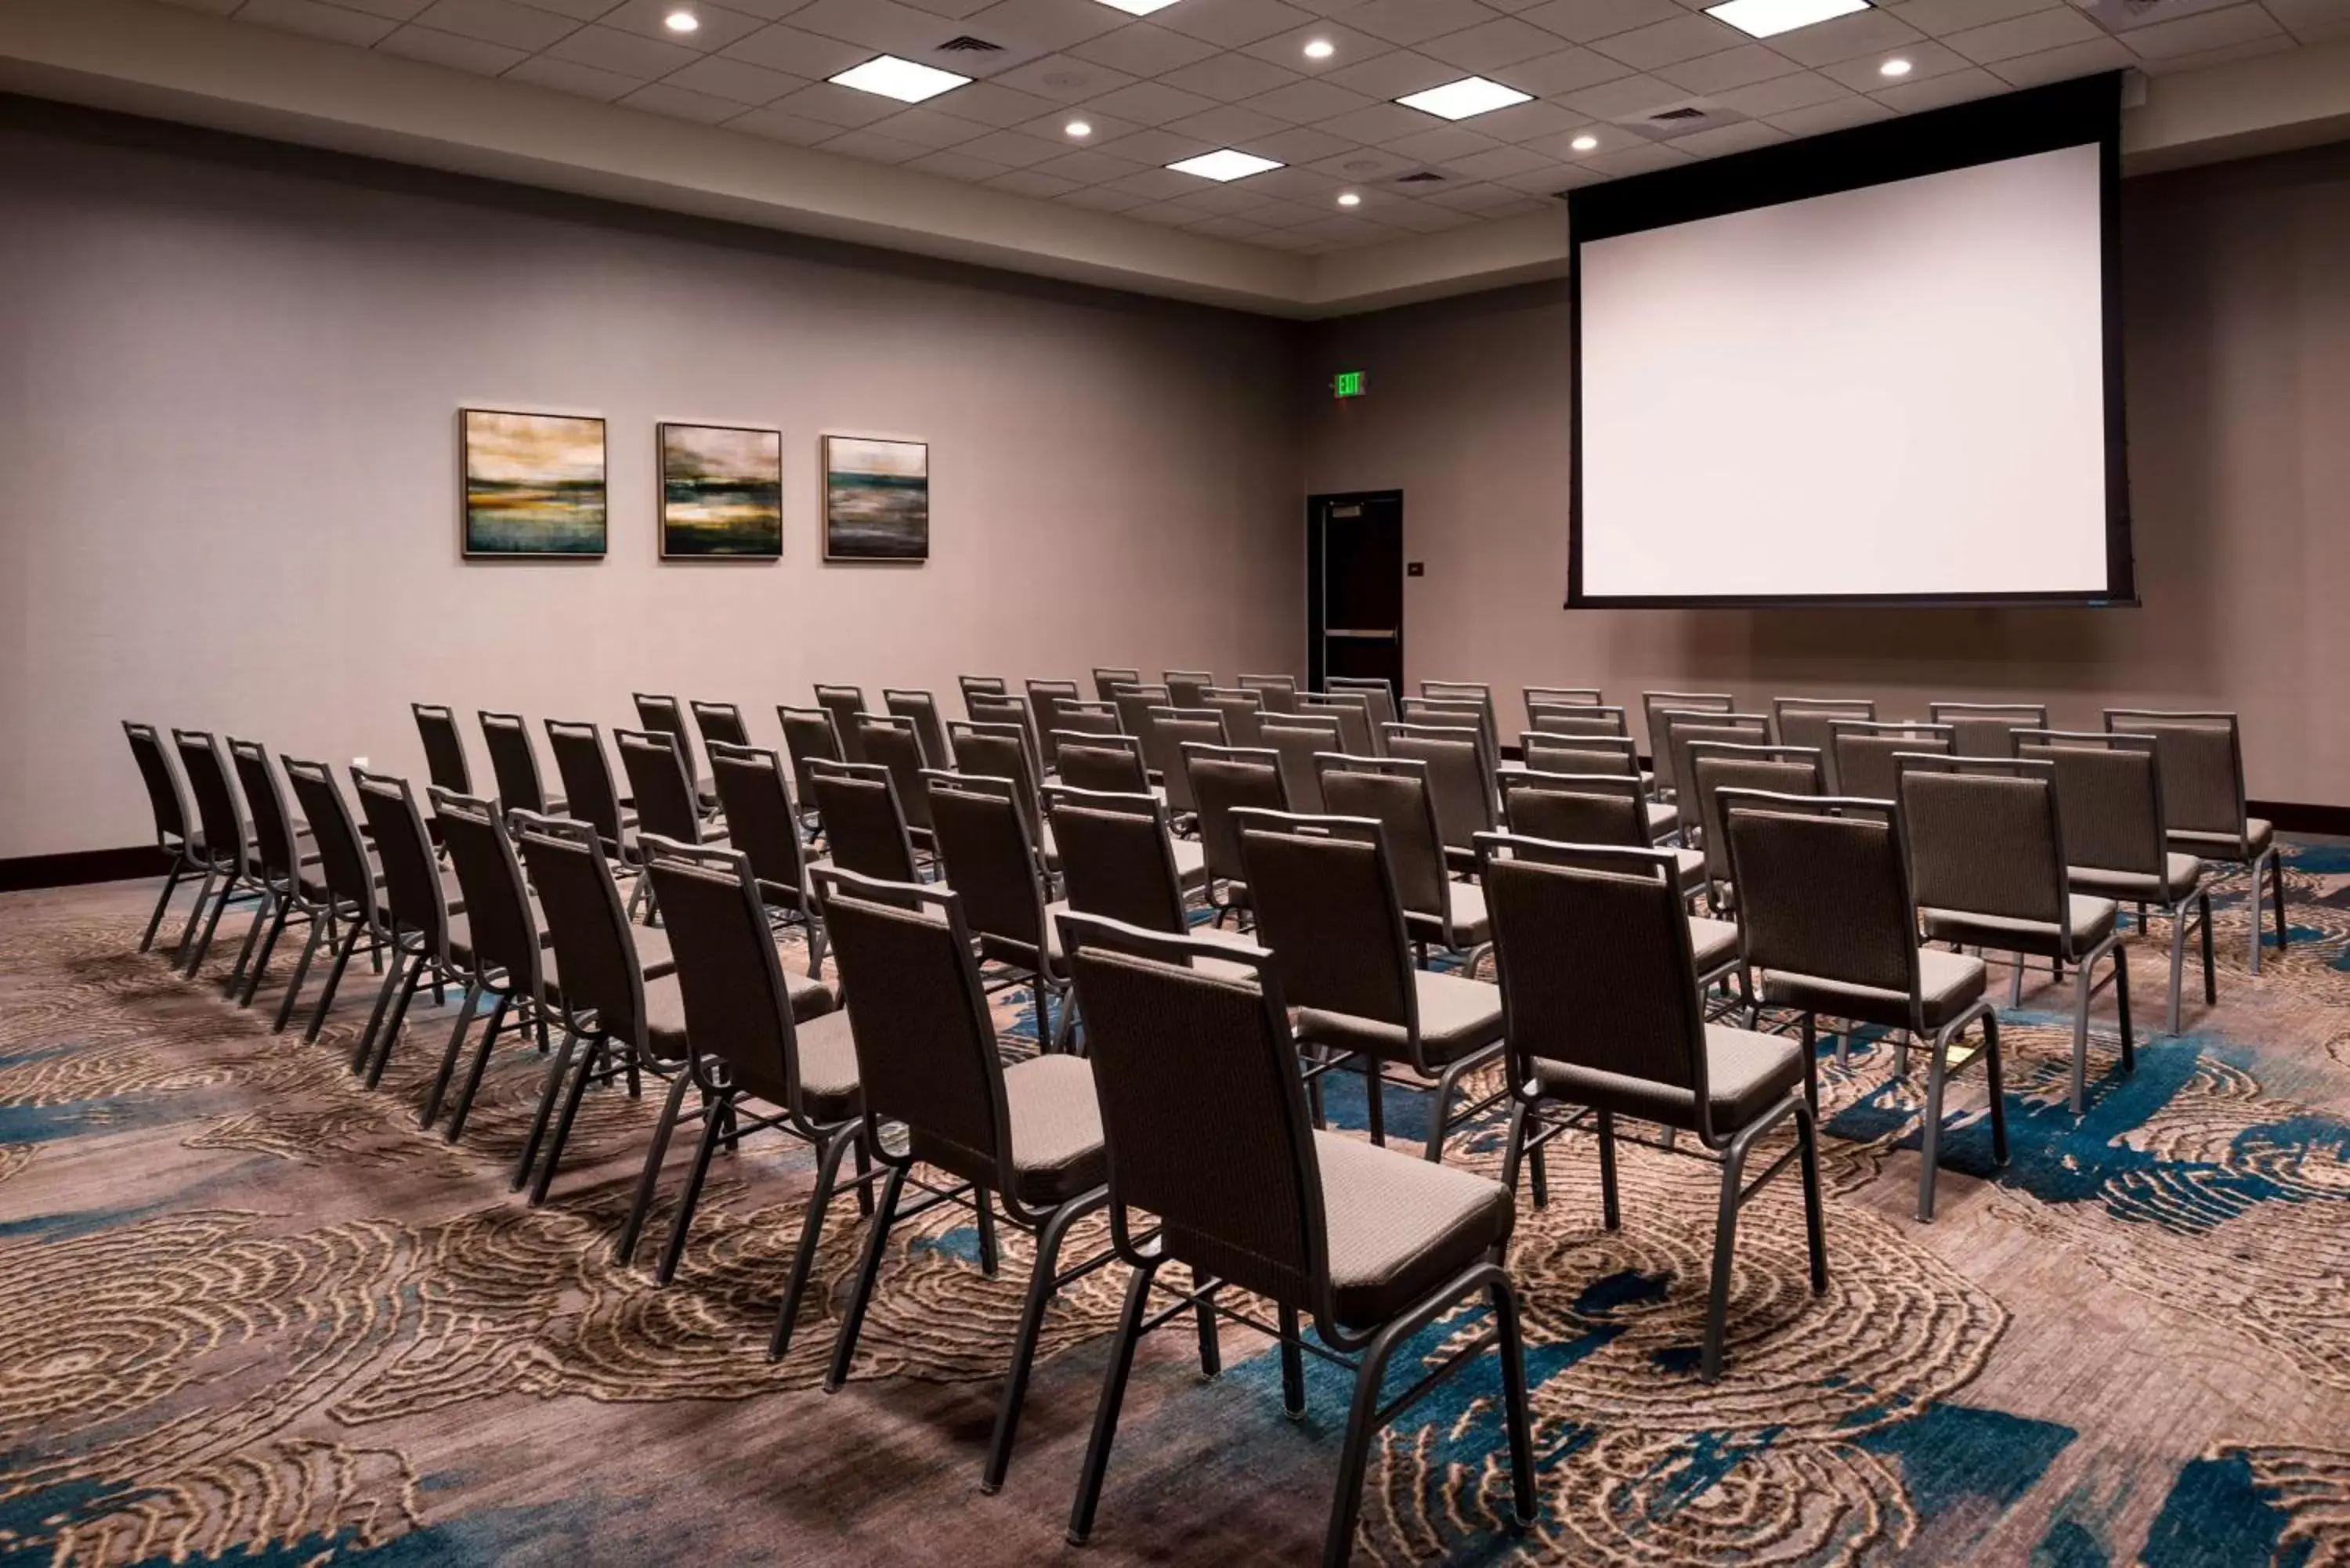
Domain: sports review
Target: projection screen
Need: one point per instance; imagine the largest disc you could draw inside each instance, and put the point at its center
(1878, 366)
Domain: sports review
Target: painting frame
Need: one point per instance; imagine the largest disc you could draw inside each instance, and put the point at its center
(885, 519)
(484, 449)
(768, 479)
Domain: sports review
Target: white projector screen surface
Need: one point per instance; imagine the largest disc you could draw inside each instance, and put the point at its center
(1892, 391)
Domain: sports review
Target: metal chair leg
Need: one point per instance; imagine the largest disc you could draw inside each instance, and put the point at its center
(390, 1034)
(1042, 1288)
(1362, 1418)
(431, 1112)
(1725, 1245)
(1113, 1396)
(713, 1127)
(195, 913)
(211, 923)
(2203, 914)
(2178, 957)
(828, 1170)
(343, 951)
(268, 947)
(1292, 1366)
(2276, 883)
(2258, 896)
(263, 910)
(1611, 1214)
(1930, 1132)
(624, 1250)
(598, 1050)
(1807, 1159)
(852, 1322)
(1525, 1501)
(1212, 1350)
(171, 885)
(375, 1018)
(473, 1073)
(301, 971)
(2081, 994)
(1996, 1077)
(556, 1074)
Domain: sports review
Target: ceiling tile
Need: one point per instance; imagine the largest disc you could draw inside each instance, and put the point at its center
(926, 126)
(775, 124)
(1716, 73)
(498, 22)
(1012, 148)
(840, 105)
(1230, 77)
(1441, 145)
(1566, 71)
(1846, 39)
(951, 165)
(1581, 21)
(1495, 162)
(1054, 127)
(2308, 18)
(874, 147)
(1156, 149)
(1627, 98)
(1480, 198)
(1637, 160)
(1349, 49)
(1366, 164)
(1379, 122)
(1723, 140)
(588, 10)
(1230, 24)
(766, 10)
(1834, 114)
(1940, 18)
(1780, 93)
(1104, 198)
(992, 103)
(609, 49)
(1227, 228)
(1089, 167)
(2025, 35)
(678, 103)
(393, 10)
(1043, 27)
(785, 48)
(1229, 125)
(1927, 60)
(1393, 74)
(720, 27)
(1299, 144)
(319, 21)
(1503, 41)
(448, 49)
(1550, 182)
(2211, 30)
(1911, 96)
(580, 81)
(1143, 50)
(1150, 103)
(1669, 43)
(1029, 182)
(1309, 102)
(2100, 54)
(1525, 121)
(876, 24)
(2166, 65)
(1414, 21)
(738, 79)
(216, 7)
(1062, 78)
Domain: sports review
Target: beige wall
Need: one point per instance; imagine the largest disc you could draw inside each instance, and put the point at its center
(228, 386)
(2238, 340)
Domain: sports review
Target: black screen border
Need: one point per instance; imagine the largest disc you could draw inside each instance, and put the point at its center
(2076, 113)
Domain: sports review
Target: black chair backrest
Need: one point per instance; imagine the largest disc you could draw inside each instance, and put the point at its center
(1185, 688)
(1242, 1203)
(729, 976)
(1822, 888)
(864, 823)
(1106, 679)
(1009, 709)
(501, 932)
(844, 704)
(1460, 782)
(1987, 839)
(1244, 713)
(2201, 758)
(2109, 790)
(603, 985)
(444, 748)
(891, 742)
(1171, 729)
(1325, 904)
(216, 808)
(1987, 729)
(1297, 739)
(411, 877)
(1358, 735)
(1577, 719)
(1550, 753)
(1656, 705)
(1280, 691)
(1104, 764)
(760, 822)
(1224, 779)
(1810, 720)
(1715, 766)
(1628, 1005)
(1378, 698)
(990, 863)
(588, 792)
(1542, 700)
(512, 762)
(667, 716)
(342, 854)
(1134, 704)
(721, 724)
(1395, 794)
(1576, 808)
(1117, 859)
(1684, 729)
(920, 709)
(273, 830)
(663, 790)
(979, 686)
(809, 736)
(1861, 753)
(926, 1051)
(163, 795)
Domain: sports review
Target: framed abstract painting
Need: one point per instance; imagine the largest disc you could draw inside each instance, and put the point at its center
(534, 484)
(877, 499)
(722, 493)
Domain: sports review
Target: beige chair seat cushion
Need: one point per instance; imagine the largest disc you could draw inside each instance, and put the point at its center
(1713, 944)
(2259, 833)
(1457, 1017)
(1746, 1073)
(1948, 983)
(1471, 926)
(1664, 821)
(1691, 865)
(2092, 921)
(827, 1056)
(1190, 862)
(2180, 873)
(665, 1009)
(1056, 1136)
(1400, 1226)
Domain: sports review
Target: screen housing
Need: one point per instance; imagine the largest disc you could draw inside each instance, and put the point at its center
(2082, 112)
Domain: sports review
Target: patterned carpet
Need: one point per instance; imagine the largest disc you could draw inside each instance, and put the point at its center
(248, 1310)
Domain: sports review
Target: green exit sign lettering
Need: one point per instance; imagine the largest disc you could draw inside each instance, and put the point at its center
(1349, 384)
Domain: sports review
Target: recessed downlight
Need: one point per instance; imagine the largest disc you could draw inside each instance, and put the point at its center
(1469, 96)
(908, 81)
(1320, 49)
(1895, 66)
(1079, 129)
(1350, 199)
(1584, 142)
(682, 22)
(1224, 164)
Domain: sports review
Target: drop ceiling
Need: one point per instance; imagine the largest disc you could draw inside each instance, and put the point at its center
(737, 118)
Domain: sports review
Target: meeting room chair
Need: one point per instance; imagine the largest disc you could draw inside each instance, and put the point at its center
(1597, 811)
(426, 930)
(980, 686)
(1186, 687)
(1223, 780)
(864, 820)
(994, 751)
(1550, 751)
(844, 704)
(1134, 704)
(355, 912)
(1280, 691)
(1111, 765)
(1809, 721)
(1459, 784)
(2109, 791)
(989, 857)
(1987, 866)
(231, 873)
(2203, 763)
(1243, 712)
(1577, 719)
(1379, 697)
(1168, 729)
(1716, 765)
(1274, 1207)
(809, 736)
(595, 799)
(1683, 730)
(502, 957)
(920, 709)
(444, 748)
(182, 847)
(762, 825)
(1863, 754)
(667, 715)
(1357, 731)
(1398, 794)
(891, 742)
(660, 784)
(1828, 926)
(1656, 705)
(750, 1043)
(1457, 712)
(1297, 739)
(1014, 711)
(721, 724)
(1475, 691)
(1120, 859)
(1328, 905)
(1541, 700)
(1626, 1033)
(1987, 729)
(1023, 1137)
(514, 763)
(292, 887)
(1106, 681)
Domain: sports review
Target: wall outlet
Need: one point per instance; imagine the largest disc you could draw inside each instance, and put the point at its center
(1416, 569)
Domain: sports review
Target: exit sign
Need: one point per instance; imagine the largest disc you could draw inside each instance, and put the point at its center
(1349, 384)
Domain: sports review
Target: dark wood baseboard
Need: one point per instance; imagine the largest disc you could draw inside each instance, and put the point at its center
(78, 867)
(2299, 817)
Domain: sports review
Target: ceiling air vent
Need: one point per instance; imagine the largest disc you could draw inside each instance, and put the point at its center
(1672, 114)
(1420, 177)
(965, 43)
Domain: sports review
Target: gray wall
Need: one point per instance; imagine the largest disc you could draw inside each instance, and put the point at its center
(2237, 343)
(228, 494)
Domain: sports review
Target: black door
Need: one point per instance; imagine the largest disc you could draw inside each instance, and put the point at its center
(1353, 587)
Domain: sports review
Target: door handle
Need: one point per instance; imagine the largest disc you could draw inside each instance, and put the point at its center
(1368, 635)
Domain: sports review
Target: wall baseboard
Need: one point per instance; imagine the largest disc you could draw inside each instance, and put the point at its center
(78, 867)
(2299, 817)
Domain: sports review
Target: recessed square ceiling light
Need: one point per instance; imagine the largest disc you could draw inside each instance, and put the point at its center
(1768, 18)
(1469, 96)
(1137, 8)
(1224, 165)
(908, 81)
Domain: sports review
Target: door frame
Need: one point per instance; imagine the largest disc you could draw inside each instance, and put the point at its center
(1314, 672)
